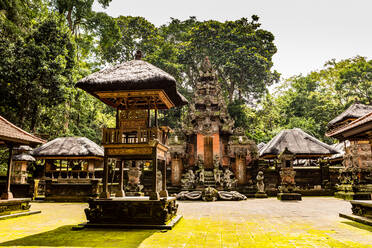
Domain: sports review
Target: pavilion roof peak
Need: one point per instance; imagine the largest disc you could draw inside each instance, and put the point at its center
(297, 142)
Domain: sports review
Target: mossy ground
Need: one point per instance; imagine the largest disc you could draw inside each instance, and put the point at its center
(314, 222)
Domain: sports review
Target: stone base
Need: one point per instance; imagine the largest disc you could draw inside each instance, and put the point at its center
(133, 194)
(260, 195)
(15, 205)
(289, 197)
(19, 214)
(131, 210)
(356, 218)
(353, 195)
(168, 226)
(72, 190)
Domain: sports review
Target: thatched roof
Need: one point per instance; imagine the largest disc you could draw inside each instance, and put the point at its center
(132, 75)
(363, 123)
(260, 146)
(297, 142)
(69, 147)
(23, 157)
(355, 111)
(10, 133)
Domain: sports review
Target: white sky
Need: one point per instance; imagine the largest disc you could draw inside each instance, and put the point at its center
(307, 32)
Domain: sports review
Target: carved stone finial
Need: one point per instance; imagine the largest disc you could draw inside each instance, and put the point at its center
(206, 66)
(138, 55)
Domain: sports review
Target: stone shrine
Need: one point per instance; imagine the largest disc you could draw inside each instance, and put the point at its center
(209, 152)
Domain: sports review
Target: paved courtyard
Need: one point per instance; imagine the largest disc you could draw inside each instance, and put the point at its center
(313, 222)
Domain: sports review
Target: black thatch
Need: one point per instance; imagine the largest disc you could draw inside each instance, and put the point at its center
(23, 148)
(133, 75)
(69, 147)
(355, 111)
(297, 142)
(23, 157)
(261, 146)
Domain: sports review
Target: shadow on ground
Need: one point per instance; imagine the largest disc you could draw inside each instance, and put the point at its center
(358, 225)
(65, 236)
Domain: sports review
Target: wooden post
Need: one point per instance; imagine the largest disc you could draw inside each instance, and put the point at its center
(156, 118)
(105, 193)
(120, 192)
(117, 118)
(154, 194)
(164, 192)
(8, 194)
(149, 117)
(60, 169)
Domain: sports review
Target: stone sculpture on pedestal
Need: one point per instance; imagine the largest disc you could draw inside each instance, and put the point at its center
(260, 186)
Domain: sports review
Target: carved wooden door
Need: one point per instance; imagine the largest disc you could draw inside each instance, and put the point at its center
(208, 152)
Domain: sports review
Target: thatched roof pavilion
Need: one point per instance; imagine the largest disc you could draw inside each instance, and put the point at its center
(69, 148)
(297, 142)
(136, 75)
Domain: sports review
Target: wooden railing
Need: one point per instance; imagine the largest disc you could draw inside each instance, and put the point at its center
(139, 136)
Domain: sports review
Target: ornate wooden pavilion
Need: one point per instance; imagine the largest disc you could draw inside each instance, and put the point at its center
(137, 90)
(357, 176)
(11, 136)
(69, 165)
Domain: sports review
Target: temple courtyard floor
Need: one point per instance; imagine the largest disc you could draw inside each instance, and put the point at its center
(313, 222)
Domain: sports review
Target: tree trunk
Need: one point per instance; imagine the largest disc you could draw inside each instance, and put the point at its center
(35, 115)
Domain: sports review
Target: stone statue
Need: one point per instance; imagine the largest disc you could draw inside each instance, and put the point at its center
(287, 175)
(209, 194)
(201, 176)
(134, 174)
(260, 182)
(216, 171)
(188, 180)
(159, 176)
(227, 180)
(200, 171)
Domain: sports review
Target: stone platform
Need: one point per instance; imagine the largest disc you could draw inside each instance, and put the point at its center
(362, 212)
(133, 212)
(289, 196)
(353, 195)
(15, 207)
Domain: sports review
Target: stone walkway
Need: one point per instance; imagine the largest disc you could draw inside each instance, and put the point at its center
(313, 222)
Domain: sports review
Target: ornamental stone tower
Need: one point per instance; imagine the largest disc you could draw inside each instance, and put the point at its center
(207, 141)
(208, 125)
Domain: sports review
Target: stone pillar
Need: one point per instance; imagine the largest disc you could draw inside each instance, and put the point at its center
(164, 192)
(154, 194)
(105, 192)
(120, 192)
(177, 169)
(240, 173)
(8, 194)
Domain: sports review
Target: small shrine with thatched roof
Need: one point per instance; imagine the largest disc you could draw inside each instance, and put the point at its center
(69, 165)
(12, 136)
(290, 145)
(137, 90)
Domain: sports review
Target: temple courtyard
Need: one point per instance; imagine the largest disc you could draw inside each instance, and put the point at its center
(312, 222)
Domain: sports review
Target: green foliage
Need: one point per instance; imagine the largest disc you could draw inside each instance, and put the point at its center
(47, 46)
(310, 102)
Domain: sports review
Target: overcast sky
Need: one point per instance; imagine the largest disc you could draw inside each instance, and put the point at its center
(307, 32)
